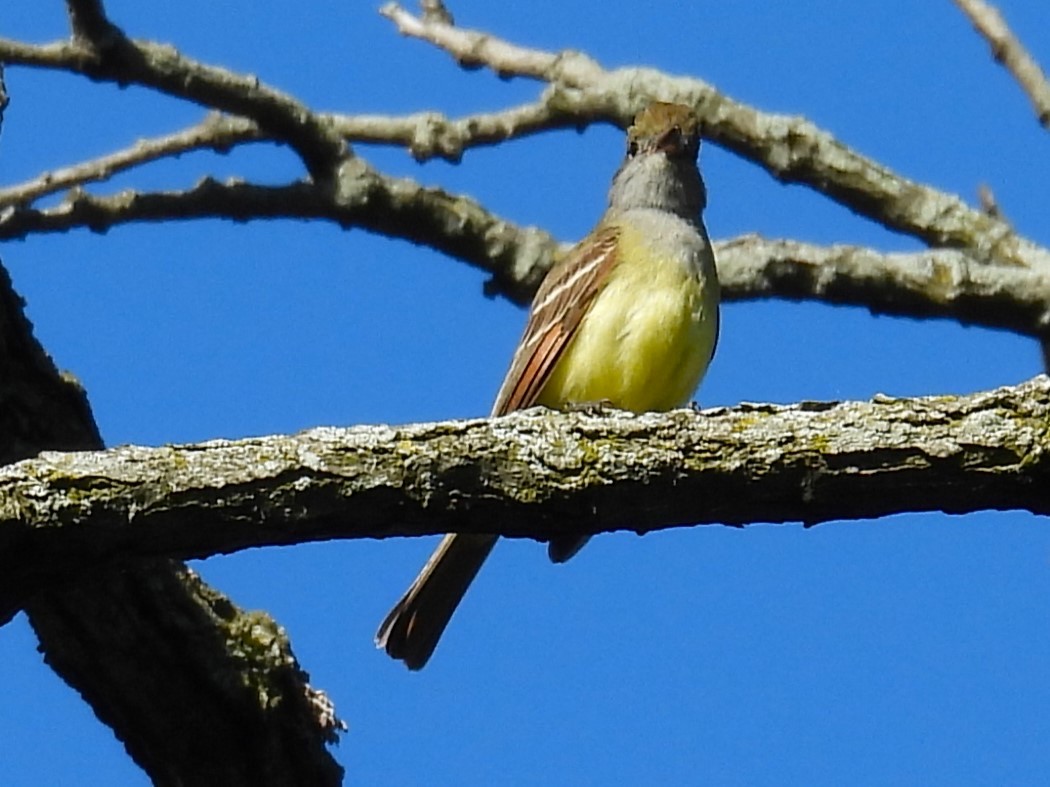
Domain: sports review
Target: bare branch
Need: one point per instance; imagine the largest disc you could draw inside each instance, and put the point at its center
(516, 257)
(531, 473)
(156, 652)
(425, 134)
(1010, 52)
(475, 49)
(944, 283)
(216, 132)
(90, 24)
(430, 134)
(162, 68)
(941, 283)
(791, 148)
(151, 647)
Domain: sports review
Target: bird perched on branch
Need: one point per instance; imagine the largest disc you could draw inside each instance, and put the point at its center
(628, 318)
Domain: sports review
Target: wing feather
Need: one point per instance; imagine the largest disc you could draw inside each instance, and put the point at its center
(557, 310)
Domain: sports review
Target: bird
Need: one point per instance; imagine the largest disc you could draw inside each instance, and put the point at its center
(628, 318)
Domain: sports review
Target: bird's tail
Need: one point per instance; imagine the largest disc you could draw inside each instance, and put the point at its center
(412, 629)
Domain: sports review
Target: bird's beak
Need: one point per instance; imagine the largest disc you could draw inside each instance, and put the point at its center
(671, 141)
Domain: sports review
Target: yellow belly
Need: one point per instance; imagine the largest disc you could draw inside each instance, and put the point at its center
(649, 335)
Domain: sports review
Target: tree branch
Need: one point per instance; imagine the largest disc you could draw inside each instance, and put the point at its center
(428, 135)
(516, 257)
(425, 134)
(124, 61)
(157, 653)
(151, 648)
(943, 283)
(216, 132)
(949, 285)
(534, 473)
(791, 149)
(1010, 52)
(89, 23)
(580, 92)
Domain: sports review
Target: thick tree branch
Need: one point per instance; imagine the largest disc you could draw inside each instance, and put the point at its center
(790, 148)
(1008, 50)
(151, 648)
(534, 473)
(199, 690)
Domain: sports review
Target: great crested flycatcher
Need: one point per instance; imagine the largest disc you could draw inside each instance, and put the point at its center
(628, 317)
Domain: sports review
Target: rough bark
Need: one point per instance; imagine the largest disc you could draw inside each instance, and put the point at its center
(199, 691)
(531, 474)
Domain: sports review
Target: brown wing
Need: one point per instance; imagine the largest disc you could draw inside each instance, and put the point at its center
(564, 297)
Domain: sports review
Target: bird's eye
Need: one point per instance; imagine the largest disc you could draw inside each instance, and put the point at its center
(632, 149)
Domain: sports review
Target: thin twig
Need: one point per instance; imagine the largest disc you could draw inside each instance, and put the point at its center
(474, 49)
(216, 132)
(162, 68)
(433, 135)
(426, 135)
(436, 10)
(1010, 52)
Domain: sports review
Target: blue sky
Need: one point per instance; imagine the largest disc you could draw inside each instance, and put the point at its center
(911, 650)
